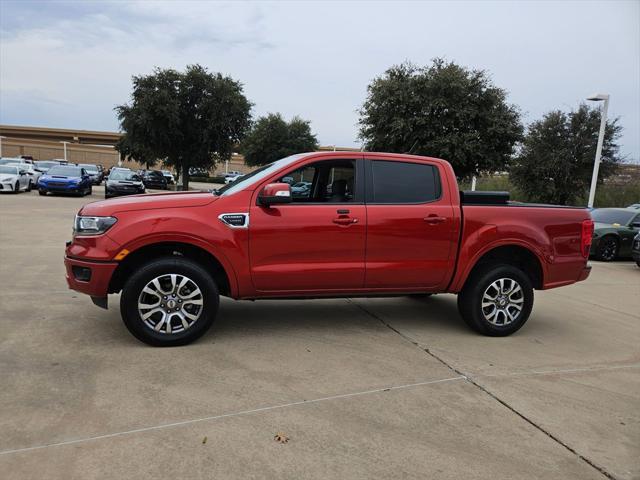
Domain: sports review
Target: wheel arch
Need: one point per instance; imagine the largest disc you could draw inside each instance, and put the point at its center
(224, 279)
(510, 254)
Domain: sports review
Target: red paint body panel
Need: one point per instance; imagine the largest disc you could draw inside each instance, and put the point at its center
(314, 250)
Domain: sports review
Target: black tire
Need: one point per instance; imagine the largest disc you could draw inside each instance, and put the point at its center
(90, 190)
(164, 266)
(607, 248)
(16, 188)
(471, 296)
(30, 186)
(42, 192)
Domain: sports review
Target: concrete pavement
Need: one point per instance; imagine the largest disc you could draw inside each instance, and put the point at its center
(364, 388)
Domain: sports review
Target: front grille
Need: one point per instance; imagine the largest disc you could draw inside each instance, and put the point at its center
(57, 184)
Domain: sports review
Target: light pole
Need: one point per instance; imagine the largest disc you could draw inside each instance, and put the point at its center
(598, 97)
(65, 151)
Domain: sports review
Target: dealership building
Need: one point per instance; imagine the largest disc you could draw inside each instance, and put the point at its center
(83, 146)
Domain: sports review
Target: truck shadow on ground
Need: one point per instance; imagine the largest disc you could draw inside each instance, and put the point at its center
(319, 317)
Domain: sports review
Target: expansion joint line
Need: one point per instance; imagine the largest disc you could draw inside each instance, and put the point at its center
(484, 389)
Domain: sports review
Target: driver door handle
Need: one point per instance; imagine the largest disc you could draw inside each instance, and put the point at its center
(434, 219)
(345, 221)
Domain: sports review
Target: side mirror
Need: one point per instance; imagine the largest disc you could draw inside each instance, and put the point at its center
(274, 194)
(635, 225)
(23, 172)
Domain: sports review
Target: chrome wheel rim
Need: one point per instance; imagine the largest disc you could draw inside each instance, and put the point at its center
(502, 302)
(170, 303)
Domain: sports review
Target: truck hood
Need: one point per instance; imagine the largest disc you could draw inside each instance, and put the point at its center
(148, 202)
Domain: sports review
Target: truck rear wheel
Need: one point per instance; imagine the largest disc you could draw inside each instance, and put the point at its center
(496, 300)
(168, 302)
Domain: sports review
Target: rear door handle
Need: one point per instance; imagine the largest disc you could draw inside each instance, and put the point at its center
(434, 219)
(345, 220)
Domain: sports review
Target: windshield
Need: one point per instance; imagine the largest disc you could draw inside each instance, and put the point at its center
(46, 164)
(90, 168)
(123, 175)
(4, 161)
(64, 171)
(8, 170)
(612, 216)
(257, 175)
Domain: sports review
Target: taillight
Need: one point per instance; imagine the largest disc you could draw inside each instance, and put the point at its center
(585, 239)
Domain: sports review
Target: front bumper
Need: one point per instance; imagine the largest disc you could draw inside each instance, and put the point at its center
(6, 187)
(89, 277)
(53, 187)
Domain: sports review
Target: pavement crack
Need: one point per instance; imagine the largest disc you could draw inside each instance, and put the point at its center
(485, 390)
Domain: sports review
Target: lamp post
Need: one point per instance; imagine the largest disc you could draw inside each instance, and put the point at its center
(65, 151)
(598, 97)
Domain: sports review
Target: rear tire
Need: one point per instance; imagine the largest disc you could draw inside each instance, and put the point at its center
(189, 317)
(42, 192)
(607, 249)
(496, 300)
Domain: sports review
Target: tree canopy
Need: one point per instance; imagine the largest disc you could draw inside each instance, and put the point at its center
(555, 163)
(190, 119)
(271, 138)
(441, 110)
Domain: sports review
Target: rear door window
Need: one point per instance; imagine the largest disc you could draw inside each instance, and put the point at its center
(404, 182)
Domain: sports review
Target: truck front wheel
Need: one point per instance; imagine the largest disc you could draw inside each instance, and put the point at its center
(168, 302)
(496, 300)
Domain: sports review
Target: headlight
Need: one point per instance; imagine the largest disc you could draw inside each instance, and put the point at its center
(92, 225)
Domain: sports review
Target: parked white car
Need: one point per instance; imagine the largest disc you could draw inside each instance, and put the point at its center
(34, 173)
(14, 179)
(232, 178)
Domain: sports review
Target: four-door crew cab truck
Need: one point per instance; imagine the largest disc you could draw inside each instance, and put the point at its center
(370, 224)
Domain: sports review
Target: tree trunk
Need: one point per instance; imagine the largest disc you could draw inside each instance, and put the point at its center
(185, 179)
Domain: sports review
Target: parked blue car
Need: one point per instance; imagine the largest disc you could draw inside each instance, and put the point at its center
(65, 179)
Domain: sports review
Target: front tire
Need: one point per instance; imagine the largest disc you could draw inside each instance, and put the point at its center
(496, 300)
(16, 188)
(30, 186)
(607, 249)
(168, 302)
(42, 192)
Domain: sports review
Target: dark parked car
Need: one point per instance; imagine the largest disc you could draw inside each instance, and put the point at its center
(613, 233)
(65, 179)
(123, 182)
(635, 249)
(154, 179)
(94, 172)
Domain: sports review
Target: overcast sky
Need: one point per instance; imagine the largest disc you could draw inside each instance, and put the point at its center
(67, 64)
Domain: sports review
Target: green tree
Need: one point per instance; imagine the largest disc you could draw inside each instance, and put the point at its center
(190, 119)
(441, 110)
(556, 159)
(272, 138)
(135, 152)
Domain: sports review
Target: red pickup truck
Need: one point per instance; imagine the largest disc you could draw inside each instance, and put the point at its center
(337, 224)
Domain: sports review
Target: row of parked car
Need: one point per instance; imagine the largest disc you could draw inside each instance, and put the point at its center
(58, 176)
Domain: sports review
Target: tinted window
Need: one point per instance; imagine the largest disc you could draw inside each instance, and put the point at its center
(65, 171)
(89, 167)
(400, 182)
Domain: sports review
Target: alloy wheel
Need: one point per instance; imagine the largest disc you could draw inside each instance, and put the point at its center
(502, 302)
(170, 303)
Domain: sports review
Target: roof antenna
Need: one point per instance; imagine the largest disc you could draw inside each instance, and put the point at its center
(412, 147)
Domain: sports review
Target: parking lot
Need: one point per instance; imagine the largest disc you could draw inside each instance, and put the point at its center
(362, 388)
